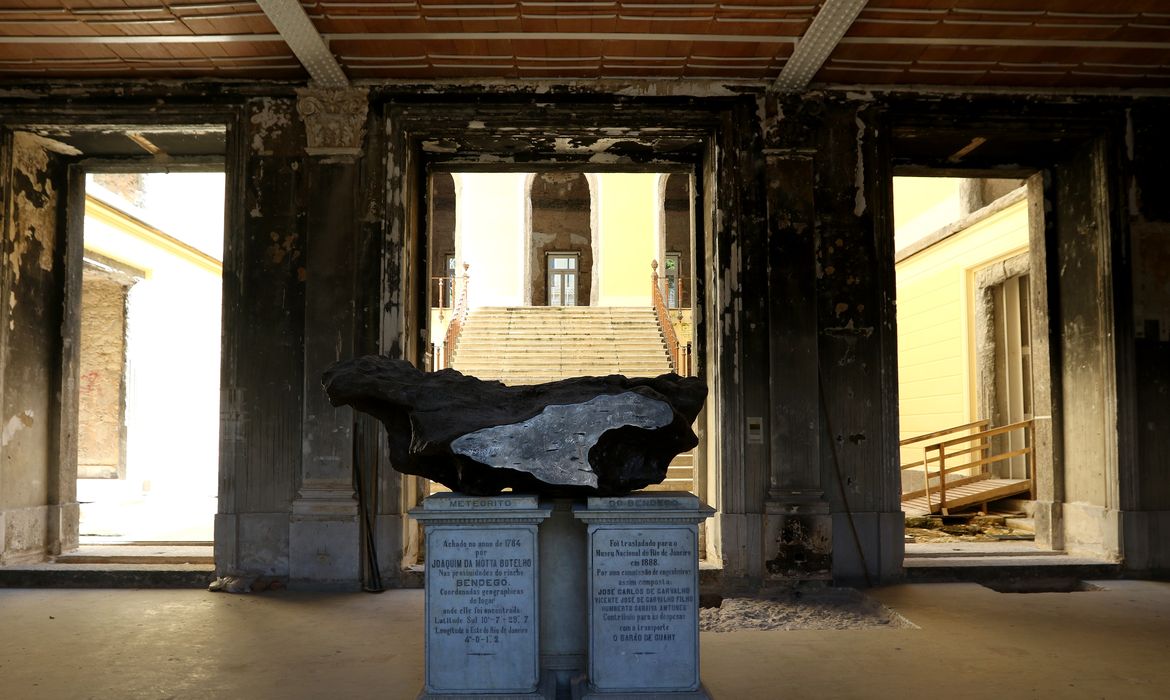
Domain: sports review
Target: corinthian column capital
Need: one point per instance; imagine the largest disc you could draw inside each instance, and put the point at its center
(334, 120)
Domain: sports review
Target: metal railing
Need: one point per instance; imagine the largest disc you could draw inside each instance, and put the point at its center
(964, 453)
(672, 344)
(443, 292)
(458, 317)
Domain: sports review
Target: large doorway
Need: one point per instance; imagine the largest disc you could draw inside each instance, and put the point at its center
(148, 404)
(1039, 342)
(965, 314)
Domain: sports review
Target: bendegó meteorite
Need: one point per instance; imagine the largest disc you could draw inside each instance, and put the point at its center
(586, 435)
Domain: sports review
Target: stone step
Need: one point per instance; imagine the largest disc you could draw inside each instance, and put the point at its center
(472, 337)
(525, 379)
(1025, 524)
(649, 333)
(528, 381)
(488, 360)
(564, 321)
(581, 312)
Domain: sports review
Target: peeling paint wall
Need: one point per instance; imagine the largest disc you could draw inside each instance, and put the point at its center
(798, 290)
(263, 369)
(1149, 148)
(32, 286)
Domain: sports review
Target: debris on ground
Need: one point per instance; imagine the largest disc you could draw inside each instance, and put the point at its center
(970, 528)
(825, 609)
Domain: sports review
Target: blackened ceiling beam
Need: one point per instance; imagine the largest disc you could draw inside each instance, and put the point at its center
(818, 42)
(306, 43)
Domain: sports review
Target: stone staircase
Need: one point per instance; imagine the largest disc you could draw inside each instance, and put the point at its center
(536, 344)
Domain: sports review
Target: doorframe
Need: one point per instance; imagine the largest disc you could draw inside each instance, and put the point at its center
(1095, 139)
(548, 256)
(422, 139)
(68, 414)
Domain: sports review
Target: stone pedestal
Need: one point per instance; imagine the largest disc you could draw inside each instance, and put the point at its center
(643, 596)
(564, 632)
(482, 612)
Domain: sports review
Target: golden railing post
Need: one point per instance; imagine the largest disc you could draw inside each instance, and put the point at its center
(926, 477)
(942, 479)
(1030, 457)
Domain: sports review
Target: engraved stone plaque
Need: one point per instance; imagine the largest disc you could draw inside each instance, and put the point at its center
(644, 594)
(481, 595)
(644, 597)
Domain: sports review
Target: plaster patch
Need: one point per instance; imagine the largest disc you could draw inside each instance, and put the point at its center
(34, 206)
(269, 117)
(14, 425)
(282, 249)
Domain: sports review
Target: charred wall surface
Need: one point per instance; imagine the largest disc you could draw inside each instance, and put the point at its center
(326, 257)
(32, 180)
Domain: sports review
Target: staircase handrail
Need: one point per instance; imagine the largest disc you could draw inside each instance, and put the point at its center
(458, 316)
(663, 317)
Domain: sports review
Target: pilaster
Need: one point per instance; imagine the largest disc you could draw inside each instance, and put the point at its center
(798, 533)
(324, 534)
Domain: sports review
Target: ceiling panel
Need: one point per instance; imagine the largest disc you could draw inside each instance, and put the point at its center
(956, 43)
(1024, 43)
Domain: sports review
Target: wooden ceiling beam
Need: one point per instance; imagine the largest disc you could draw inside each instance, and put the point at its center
(818, 43)
(297, 30)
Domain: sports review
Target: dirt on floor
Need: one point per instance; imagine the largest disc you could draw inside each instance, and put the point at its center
(962, 529)
(825, 609)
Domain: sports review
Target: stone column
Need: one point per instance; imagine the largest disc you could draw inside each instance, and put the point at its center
(798, 526)
(324, 534)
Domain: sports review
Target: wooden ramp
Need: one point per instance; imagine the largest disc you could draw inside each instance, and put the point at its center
(948, 463)
(967, 494)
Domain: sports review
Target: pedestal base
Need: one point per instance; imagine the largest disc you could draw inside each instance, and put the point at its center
(583, 691)
(547, 690)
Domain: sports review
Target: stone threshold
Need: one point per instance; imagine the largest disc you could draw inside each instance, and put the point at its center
(980, 569)
(106, 575)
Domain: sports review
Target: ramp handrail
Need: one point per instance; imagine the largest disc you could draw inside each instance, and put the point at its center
(976, 443)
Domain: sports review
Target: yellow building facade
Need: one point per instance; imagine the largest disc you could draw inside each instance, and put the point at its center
(939, 267)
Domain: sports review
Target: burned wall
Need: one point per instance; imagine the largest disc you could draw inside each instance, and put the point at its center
(834, 428)
(263, 372)
(1148, 146)
(32, 286)
(795, 313)
(442, 236)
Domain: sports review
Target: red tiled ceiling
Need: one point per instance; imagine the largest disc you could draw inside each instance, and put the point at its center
(1025, 43)
(639, 38)
(90, 20)
(1040, 43)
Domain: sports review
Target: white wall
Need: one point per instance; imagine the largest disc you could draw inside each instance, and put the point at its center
(629, 215)
(490, 227)
(173, 360)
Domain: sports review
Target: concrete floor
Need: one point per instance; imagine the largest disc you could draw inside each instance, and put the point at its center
(971, 642)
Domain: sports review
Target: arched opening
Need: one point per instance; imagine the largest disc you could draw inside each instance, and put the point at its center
(560, 240)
